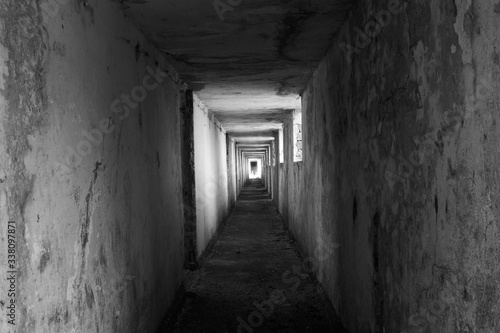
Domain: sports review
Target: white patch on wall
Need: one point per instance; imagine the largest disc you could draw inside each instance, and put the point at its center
(297, 135)
(4, 70)
(463, 38)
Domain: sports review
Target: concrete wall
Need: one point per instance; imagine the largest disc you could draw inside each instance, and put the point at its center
(291, 189)
(99, 234)
(275, 168)
(188, 178)
(400, 168)
(281, 189)
(231, 169)
(268, 169)
(240, 171)
(211, 174)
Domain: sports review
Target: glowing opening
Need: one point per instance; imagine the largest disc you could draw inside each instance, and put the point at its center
(255, 169)
(297, 136)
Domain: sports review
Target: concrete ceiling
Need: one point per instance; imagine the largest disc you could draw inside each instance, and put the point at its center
(248, 62)
(251, 137)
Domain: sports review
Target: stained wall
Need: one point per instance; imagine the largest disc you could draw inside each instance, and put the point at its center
(90, 169)
(400, 160)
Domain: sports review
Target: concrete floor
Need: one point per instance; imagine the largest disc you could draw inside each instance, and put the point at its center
(251, 267)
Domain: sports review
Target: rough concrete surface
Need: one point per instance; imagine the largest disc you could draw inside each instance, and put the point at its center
(99, 234)
(400, 167)
(231, 169)
(241, 56)
(399, 160)
(254, 280)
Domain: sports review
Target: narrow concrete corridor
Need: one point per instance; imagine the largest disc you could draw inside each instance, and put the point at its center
(254, 280)
(158, 157)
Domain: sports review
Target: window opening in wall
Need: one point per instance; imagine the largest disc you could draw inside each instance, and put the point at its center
(297, 136)
(255, 169)
(282, 159)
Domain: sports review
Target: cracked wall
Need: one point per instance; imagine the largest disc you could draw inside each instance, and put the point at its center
(93, 184)
(400, 167)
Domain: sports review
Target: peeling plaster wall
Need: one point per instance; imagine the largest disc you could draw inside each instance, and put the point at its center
(291, 192)
(401, 170)
(99, 237)
(211, 174)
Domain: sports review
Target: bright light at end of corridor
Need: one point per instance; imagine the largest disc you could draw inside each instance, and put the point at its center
(255, 169)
